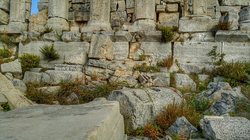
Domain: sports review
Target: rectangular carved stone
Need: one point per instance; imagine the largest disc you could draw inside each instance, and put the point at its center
(4, 18)
(121, 50)
(65, 67)
(145, 9)
(169, 19)
(17, 11)
(58, 8)
(235, 2)
(200, 7)
(81, 16)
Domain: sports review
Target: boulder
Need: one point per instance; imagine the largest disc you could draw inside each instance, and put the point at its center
(183, 81)
(182, 125)
(19, 84)
(139, 106)
(99, 119)
(5, 84)
(225, 128)
(12, 67)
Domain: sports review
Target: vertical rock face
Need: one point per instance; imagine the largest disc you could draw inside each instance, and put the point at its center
(245, 18)
(58, 8)
(200, 7)
(17, 11)
(145, 9)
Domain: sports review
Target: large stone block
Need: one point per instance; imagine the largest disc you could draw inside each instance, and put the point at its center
(169, 19)
(142, 105)
(101, 47)
(235, 2)
(72, 52)
(118, 18)
(5, 5)
(149, 36)
(225, 128)
(183, 81)
(172, 1)
(194, 52)
(111, 65)
(244, 18)
(58, 23)
(4, 18)
(99, 119)
(142, 25)
(14, 28)
(81, 16)
(12, 67)
(17, 10)
(229, 36)
(197, 24)
(236, 51)
(38, 21)
(42, 5)
(145, 9)
(121, 50)
(130, 4)
(58, 9)
(172, 7)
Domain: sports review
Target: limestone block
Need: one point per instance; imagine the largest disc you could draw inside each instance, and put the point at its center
(143, 105)
(190, 68)
(130, 11)
(50, 37)
(244, 15)
(100, 10)
(198, 37)
(235, 2)
(150, 36)
(99, 119)
(38, 21)
(58, 23)
(145, 9)
(172, 1)
(130, 4)
(5, 84)
(219, 127)
(17, 11)
(130, 80)
(71, 36)
(245, 26)
(99, 72)
(32, 77)
(81, 16)
(194, 52)
(14, 27)
(169, 19)
(19, 84)
(123, 36)
(211, 8)
(5, 5)
(113, 5)
(121, 6)
(197, 24)
(3, 100)
(111, 65)
(4, 18)
(160, 8)
(118, 18)
(229, 36)
(57, 76)
(121, 73)
(42, 5)
(121, 50)
(172, 7)
(236, 51)
(65, 67)
(12, 67)
(183, 81)
(200, 7)
(16, 99)
(162, 77)
(101, 47)
(142, 25)
(58, 9)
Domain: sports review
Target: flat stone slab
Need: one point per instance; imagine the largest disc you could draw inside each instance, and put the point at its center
(236, 36)
(236, 51)
(225, 128)
(99, 119)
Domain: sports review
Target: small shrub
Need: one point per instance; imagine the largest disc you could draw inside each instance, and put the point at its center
(175, 28)
(246, 90)
(176, 110)
(5, 107)
(181, 39)
(166, 62)
(200, 105)
(48, 29)
(49, 52)
(167, 33)
(5, 52)
(145, 68)
(172, 80)
(216, 56)
(242, 108)
(4, 38)
(142, 57)
(224, 25)
(59, 36)
(29, 61)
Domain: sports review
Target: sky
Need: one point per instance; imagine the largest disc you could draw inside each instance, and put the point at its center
(34, 8)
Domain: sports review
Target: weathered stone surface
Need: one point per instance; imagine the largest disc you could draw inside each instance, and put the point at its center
(17, 11)
(3, 100)
(143, 105)
(172, 1)
(149, 36)
(194, 52)
(81, 16)
(49, 90)
(169, 19)
(32, 77)
(235, 2)
(99, 119)
(229, 36)
(198, 37)
(224, 128)
(244, 18)
(58, 23)
(172, 7)
(57, 76)
(121, 50)
(197, 24)
(101, 47)
(111, 65)
(130, 4)
(38, 21)
(71, 37)
(142, 25)
(99, 72)
(4, 18)
(122, 36)
(19, 84)
(5, 84)
(183, 81)
(12, 67)
(51, 37)
(203, 77)
(128, 80)
(161, 79)
(58, 8)
(199, 7)
(236, 51)
(182, 125)
(160, 8)
(42, 5)
(65, 67)
(145, 9)
(5, 5)
(121, 73)
(190, 68)
(118, 19)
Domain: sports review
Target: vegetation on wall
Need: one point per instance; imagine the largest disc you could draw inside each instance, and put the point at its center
(167, 33)
(29, 61)
(224, 25)
(49, 52)
(5, 52)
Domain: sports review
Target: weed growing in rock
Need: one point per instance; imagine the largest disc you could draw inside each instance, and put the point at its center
(172, 80)
(48, 29)
(5, 52)
(59, 36)
(224, 25)
(145, 68)
(176, 110)
(217, 58)
(242, 108)
(5, 107)
(4, 38)
(166, 62)
(200, 105)
(49, 52)
(245, 90)
(29, 61)
(167, 33)
(142, 57)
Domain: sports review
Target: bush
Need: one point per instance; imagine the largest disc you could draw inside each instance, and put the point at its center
(29, 61)
(48, 29)
(5, 107)
(49, 52)
(5, 52)
(224, 25)
(216, 56)
(176, 110)
(167, 33)
(166, 62)
(200, 105)
(246, 90)
(145, 68)
(242, 108)
(235, 72)
(4, 38)
(142, 57)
